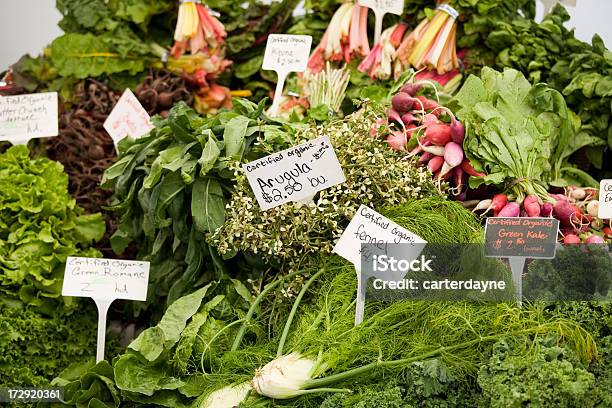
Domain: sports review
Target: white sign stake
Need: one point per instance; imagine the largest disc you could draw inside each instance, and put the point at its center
(105, 280)
(370, 227)
(128, 118)
(285, 54)
(25, 117)
(380, 8)
(605, 200)
(295, 174)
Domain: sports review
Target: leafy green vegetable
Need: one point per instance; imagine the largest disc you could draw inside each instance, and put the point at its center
(171, 190)
(552, 377)
(89, 55)
(520, 135)
(34, 349)
(549, 52)
(40, 226)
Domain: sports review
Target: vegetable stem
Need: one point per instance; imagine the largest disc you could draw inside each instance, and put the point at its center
(296, 304)
(253, 307)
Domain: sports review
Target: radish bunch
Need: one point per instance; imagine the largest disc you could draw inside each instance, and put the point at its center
(421, 126)
(576, 211)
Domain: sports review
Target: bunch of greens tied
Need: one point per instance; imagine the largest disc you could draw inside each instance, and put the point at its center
(548, 52)
(171, 188)
(520, 135)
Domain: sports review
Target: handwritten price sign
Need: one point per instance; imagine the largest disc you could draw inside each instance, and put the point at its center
(128, 118)
(105, 280)
(605, 200)
(294, 174)
(521, 237)
(25, 117)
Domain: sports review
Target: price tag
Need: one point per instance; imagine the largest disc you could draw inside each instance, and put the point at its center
(128, 118)
(380, 8)
(294, 174)
(605, 200)
(105, 280)
(521, 237)
(370, 227)
(25, 117)
(518, 239)
(285, 54)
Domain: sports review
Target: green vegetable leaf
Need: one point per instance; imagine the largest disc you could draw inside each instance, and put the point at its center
(207, 205)
(210, 154)
(233, 136)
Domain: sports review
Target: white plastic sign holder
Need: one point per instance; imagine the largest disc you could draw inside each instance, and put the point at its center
(285, 54)
(370, 227)
(105, 280)
(380, 8)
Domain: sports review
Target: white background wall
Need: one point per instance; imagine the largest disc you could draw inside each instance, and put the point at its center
(26, 26)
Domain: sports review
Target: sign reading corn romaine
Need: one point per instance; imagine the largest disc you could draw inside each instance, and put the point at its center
(285, 54)
(25, 117)
(128, 118)
(605, 200)
(380, 8)
(294, 174)
(105, 280)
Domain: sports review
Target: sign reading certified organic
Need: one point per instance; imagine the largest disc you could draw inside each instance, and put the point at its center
(285, 54)
(25, 117)
(372, 232)
(521, 237)
(128, 118)
(105, 280)
(605, 200)
(294, 174)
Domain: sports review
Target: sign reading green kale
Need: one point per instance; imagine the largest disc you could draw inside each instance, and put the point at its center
(521, 237)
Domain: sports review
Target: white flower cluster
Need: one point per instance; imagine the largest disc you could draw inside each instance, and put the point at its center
(375, 176)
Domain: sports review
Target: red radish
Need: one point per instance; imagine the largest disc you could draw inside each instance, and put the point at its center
(559, 197)
(562, 210)
(425, 157)
(435, 164)
(430, 119)
(427, 103)
(438, 134)
(546, 210)
(499, 202)
(571, 239)
(411, 89)
(397, 140)
(394, 116)
(467, 167)
(532, 205)
(453, 154)
(408, 118)
(590, 192)
(458, 176)
(510, 210)
(593, 208)
(607, 232)
(595, 239)
(402, 102)
(577, 217)
(523, 214)
(409, 129)
(457, 131)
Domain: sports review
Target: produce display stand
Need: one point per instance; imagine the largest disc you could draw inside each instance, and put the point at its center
(351, 203)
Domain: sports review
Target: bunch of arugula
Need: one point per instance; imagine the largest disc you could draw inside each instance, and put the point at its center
(40, 226)
(171, 188)
(520, 135)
